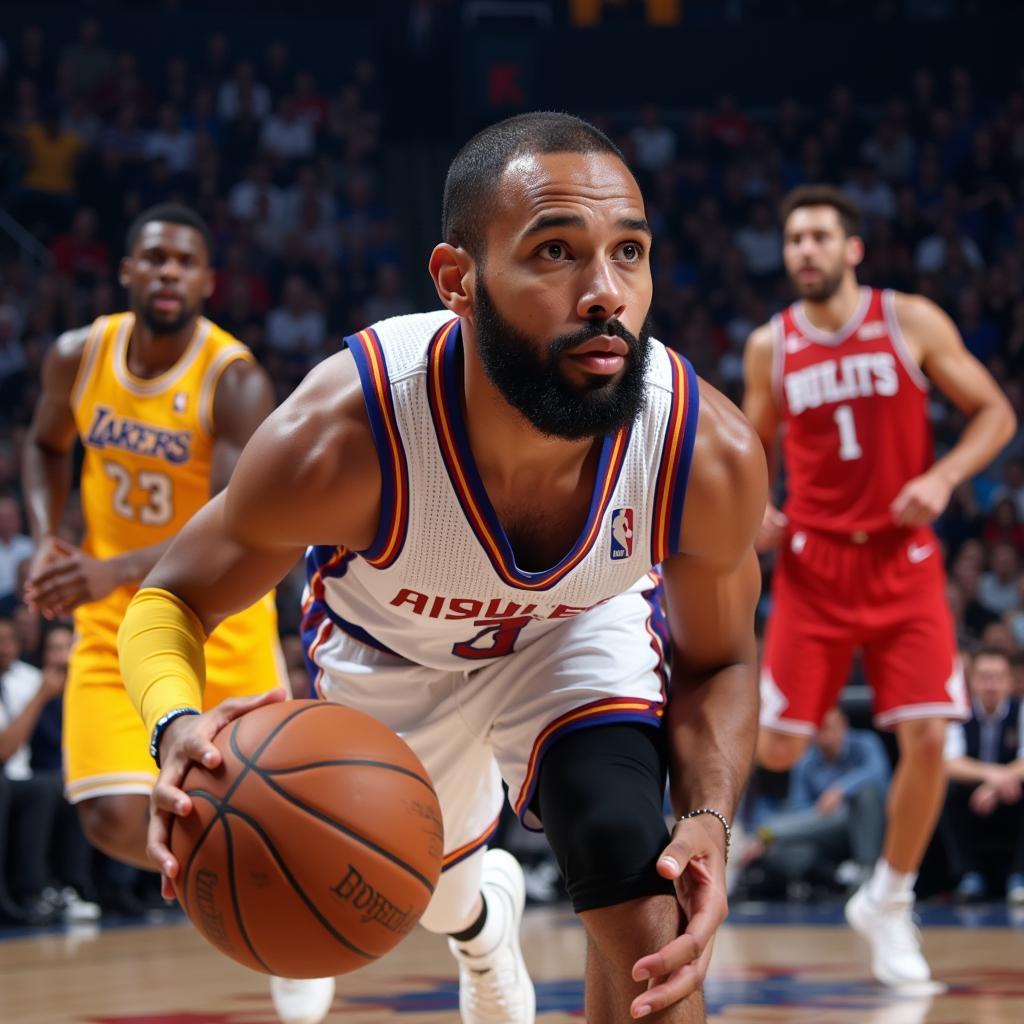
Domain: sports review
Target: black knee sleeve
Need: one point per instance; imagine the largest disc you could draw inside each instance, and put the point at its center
(600, 797)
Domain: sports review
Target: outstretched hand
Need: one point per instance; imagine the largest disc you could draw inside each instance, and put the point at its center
(695, 861)
(186, 741)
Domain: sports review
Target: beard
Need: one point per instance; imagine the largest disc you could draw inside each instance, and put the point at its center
(533, 382)
(826, 287)
(167, 325)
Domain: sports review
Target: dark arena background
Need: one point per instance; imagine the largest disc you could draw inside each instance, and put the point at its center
(314, 139)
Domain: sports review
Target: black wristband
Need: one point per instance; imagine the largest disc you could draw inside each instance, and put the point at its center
(158, 730)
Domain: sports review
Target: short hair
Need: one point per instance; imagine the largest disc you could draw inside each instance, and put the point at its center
(170, 213)
(824, 195)
(992, 651)
(477, 168)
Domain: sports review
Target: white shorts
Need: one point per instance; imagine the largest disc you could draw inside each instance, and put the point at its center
(473, 729)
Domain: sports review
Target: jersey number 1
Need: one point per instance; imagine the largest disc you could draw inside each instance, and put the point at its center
(159, 507)
(849, 446)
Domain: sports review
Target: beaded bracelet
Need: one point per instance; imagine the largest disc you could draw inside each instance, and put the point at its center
(158, 730)
(716, 814)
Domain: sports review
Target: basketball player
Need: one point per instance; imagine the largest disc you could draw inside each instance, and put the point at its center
(846, 372)
(163, 401)
(487, 490)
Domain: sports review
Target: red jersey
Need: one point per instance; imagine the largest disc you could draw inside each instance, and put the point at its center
(855, 416)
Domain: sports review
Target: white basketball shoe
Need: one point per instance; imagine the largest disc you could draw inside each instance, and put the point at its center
(896, 958)
(302, 1000)
(495, 988)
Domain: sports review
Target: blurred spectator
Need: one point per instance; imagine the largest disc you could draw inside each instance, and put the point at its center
(28, 804)
(875, 197)
(171, 142)
(70, 855)
(729, 125)
(836, 809)
(243, 95)
(997, 589)
(1012, 486)
(980, 334)
(983, 823)
(89, 63)
(1003, 525)
(277, 71)
(51, 158)
(890, 151)
(945, 247)
(761, 243)
(78, 254)
(296, 327)
(387, 298)
(287, 135)
(309, 104)
(15, 548)
(654, 143)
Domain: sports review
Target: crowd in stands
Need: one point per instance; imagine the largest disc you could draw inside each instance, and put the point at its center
(289, 172)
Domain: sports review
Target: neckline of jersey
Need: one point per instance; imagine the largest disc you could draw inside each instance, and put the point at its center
(836, 337)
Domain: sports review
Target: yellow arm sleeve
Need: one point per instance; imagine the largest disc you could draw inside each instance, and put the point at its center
(160, 645)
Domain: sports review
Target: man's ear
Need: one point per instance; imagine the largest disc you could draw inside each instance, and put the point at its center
(452, 268)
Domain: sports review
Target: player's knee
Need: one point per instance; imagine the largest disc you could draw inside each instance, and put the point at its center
(923, 740)
(600, 799)
(114, 823)
(779, 751)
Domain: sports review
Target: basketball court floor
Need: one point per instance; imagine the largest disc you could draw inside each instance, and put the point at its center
(772, 965)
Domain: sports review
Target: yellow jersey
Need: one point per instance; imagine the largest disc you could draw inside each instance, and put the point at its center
(148, 460)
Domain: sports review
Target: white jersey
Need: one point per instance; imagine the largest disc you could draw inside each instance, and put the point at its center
(439, 586)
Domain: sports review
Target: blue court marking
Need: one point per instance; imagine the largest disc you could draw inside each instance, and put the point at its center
(809, 988)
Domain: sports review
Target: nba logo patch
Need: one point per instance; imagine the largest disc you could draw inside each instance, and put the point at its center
(180, 402)
(622, 533)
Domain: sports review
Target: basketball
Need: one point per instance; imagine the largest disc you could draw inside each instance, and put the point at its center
(314, 847)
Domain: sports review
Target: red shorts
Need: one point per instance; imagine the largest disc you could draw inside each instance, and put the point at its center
(886, 597)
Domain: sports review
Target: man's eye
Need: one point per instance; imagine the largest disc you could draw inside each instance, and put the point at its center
(553, 251)
(631, 252)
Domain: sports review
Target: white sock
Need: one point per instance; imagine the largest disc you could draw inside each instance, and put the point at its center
(492, 931)
(886, 884)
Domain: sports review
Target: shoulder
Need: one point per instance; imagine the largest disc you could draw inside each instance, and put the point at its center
(728, 484)
(70, 345)
(325, 418)
(64, 357)
(313, 460)
(916, 313)
(761, 341)
(759, 353)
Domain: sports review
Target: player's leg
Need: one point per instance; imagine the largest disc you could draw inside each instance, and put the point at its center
(578, 736)
(478, 902)
(916, 794)
(108, 771)
(808, 649)
(914, 669)
(600, 798)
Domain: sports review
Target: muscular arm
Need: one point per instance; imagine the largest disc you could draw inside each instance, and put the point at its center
(46, 469)
(244, 399)
(309, 475)
(758, 399)
(711, 590)
(761, 409)
(711, 593)
(936, 345)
